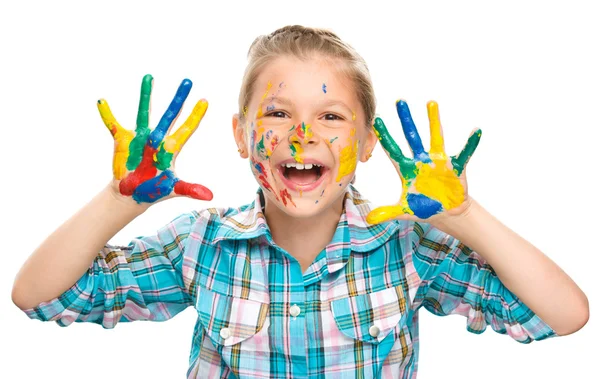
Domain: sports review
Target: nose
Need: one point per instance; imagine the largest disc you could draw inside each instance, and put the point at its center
(302, 134)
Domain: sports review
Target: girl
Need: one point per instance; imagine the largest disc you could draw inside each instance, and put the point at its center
(307, 280)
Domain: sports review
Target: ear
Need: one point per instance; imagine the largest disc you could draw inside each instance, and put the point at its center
(239, 135)
(368, 146)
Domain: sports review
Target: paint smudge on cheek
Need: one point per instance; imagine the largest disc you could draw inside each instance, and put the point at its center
(324, 88)
(353, 116)
(348, 157)
(285, 197)
(332, 140)
(252, 139)
(261, 174)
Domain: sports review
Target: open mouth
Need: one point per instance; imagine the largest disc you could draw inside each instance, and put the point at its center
(302, 176)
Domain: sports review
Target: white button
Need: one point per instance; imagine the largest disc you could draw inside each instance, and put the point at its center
(374, 331)
(225, 333)
(294, 310)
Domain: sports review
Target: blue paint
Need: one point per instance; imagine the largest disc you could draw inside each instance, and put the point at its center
(155, 188)
(270, 108)
(411, 133)
(252, 140)
(324, 88)
(158, 134)
(423, 206)
(322, 192)
(280, 84)
(316, 201)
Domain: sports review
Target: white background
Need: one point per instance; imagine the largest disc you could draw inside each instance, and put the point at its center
(524, 72)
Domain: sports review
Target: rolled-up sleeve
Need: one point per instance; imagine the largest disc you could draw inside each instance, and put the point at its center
(140, 281)
(456, 280)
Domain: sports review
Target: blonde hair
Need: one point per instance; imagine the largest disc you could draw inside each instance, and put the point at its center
(304, 43)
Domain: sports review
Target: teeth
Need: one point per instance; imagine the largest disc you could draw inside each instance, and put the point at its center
(300, 166)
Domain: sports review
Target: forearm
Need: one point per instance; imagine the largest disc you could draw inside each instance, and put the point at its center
(533, 277)
(68, 252)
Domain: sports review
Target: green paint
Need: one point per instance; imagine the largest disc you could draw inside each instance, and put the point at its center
(459, 162)
(163, 158)
(144, 107)
(292, 128)
(260, 148)
(333, 139)
(136, 148)
(408, 167)
(293, 149)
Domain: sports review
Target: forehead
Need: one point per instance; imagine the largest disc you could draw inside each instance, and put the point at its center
(305, 79)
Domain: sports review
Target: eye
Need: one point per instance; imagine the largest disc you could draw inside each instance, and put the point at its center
(332, 117)
(278, 114)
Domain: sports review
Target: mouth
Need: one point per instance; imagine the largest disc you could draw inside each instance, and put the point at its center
(302, 176)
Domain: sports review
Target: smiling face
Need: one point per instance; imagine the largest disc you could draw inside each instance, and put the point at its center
(304, 131)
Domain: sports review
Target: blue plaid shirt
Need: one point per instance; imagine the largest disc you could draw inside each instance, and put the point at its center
(352, 313)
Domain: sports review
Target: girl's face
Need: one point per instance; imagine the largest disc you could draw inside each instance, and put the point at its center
(304, 133)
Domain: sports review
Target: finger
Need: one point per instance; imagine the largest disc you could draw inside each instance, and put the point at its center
(175, 142)
(122, 138)
(387, 141)
(459, 162)
(410, 130)
(385, 213)
(195, 191)
(435, 127)
(158, 134)
(107, 117)
(142, 131)
(144, 107)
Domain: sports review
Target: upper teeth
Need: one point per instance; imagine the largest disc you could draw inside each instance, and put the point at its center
(300, 166)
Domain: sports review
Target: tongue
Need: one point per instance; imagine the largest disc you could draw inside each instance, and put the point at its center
(302, 176)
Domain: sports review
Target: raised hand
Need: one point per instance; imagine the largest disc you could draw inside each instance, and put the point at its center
(432, 182)
(143, 161)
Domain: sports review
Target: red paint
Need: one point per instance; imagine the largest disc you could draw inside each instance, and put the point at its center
(285, 196)
(145, 171)
(196, 191)
(262, 176)
(299, 131)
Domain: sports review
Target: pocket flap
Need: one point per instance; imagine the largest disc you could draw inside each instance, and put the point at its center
(370, 317)
(229, 320)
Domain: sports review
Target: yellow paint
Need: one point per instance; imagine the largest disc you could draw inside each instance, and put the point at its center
(121, 136)
(299, 150)
(259, 112)
(308, 133)
(439, 182)
(437, 140)
(175, 141)
(348, 157)
(388, 212)
(353, 116)
(245, 111)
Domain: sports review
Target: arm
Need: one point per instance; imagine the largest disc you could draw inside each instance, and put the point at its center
(521, 267)
(435, 192)
(67, 253)
(143, 174)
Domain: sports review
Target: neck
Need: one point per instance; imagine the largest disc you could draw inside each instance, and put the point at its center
(303, 237)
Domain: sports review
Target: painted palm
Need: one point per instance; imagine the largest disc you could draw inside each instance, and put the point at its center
(432, 182)
(143, 161)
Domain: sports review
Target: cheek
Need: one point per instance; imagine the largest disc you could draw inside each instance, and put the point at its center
(263, 142)
(345, 149)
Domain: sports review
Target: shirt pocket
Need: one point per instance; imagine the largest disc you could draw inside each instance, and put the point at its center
(229, 320)
(370, 317)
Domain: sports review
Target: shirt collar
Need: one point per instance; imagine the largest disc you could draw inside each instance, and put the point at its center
(353, 233)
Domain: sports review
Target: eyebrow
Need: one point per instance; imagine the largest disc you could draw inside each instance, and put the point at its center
(286, 101)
